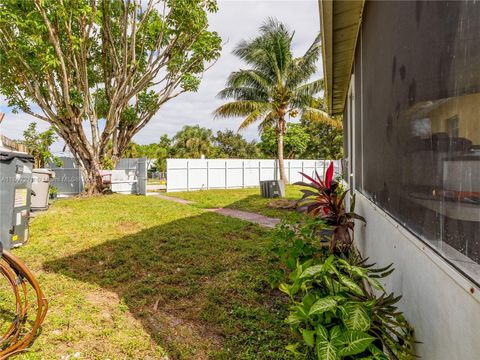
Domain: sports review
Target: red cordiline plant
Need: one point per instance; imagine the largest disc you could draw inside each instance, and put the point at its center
(325, 199)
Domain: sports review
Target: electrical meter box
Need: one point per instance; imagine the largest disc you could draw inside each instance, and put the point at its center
(15, 192)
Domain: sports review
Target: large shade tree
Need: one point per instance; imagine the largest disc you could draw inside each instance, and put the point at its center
(276, 87)
(98, 70)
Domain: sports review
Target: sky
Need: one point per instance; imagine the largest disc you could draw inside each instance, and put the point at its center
(236, 20)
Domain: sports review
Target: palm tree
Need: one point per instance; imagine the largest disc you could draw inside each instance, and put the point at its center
(193, 141)
(276, 86)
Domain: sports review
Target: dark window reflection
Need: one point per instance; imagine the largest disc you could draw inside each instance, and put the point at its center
(420, 90)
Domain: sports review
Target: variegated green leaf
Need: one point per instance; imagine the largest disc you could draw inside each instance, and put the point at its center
(326, 350)
(336, 336)
(312, 271)
(352, 285)
(355, 342)
(355, 316)
(324, 304)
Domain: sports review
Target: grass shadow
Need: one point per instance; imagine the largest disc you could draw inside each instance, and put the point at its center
(197, 284)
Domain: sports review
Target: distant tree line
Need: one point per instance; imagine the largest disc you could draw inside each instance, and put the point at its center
(303, 140)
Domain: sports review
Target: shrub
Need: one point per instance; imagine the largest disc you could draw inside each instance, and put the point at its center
(325, 199)
(339, 309)
(337, 314)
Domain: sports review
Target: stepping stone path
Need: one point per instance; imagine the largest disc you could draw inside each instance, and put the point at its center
(259, 219)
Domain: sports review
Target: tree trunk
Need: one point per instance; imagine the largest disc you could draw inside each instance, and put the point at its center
(93, 178)
(281, 163)
(90, 164)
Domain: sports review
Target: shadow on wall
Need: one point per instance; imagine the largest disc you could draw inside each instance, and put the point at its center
(198, 285)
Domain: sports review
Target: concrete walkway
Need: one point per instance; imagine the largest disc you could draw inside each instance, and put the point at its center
(261, 220)
(255, 218)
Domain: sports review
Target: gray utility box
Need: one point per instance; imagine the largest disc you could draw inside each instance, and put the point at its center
(15, 191)
(40, 188)
(272, 188)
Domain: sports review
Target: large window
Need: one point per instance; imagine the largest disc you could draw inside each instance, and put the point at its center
(417, 71)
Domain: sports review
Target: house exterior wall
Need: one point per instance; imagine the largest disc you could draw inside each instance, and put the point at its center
(437, 300)
(416, 74)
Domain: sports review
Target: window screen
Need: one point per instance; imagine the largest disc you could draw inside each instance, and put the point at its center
(420, 145)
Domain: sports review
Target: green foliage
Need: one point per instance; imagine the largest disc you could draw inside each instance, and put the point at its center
(334, 312)
(39, 144)
(107, 163)
(325, 199)
(165, 144)
(297, 242)
(110, 64)
(339, 309)
(232, 145)
(155, 152)
(309, 139)
(295, 141)
(276, 86)
(52, 192)
(335, 300)
(325, 141)
(193, 142)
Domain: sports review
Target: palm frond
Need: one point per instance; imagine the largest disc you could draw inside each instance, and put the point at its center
(302, 96)
(268, 122)
(321, 116)
(243, 93)
(253, 117)
(250, 78)
(270, 53)
(240, 108)
(302, 68)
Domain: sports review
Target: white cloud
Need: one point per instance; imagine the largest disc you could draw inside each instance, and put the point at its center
(235, 20)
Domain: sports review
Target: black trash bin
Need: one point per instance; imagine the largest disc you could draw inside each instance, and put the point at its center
(15, 193)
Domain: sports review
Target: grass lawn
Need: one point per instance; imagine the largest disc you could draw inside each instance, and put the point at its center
(130, 277)
(155, 182)
(248, 199)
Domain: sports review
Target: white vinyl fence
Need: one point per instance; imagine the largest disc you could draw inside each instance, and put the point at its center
(129, 177)
(203, 174)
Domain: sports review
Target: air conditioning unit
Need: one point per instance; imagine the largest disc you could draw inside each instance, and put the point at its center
(272, 188)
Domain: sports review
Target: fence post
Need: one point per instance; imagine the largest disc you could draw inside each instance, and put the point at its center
(243, 174)
(226, 174)
(208, 175)
(188, 175)
(289, 179)
(259, 172)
